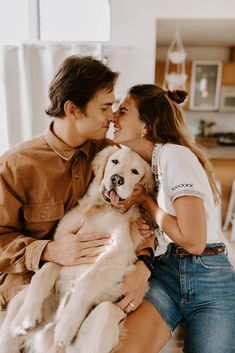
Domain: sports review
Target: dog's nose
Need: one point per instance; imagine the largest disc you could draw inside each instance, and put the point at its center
(117, 180)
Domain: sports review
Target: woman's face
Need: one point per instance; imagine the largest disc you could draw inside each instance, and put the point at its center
(129, 129)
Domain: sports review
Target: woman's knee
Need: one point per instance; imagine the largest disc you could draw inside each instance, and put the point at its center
(145, 328)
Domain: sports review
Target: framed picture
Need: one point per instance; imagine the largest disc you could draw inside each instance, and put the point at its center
(205, 85)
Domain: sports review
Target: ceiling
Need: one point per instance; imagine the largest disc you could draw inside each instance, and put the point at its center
(206, 32)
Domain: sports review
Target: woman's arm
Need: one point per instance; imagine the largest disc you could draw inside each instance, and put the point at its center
(188, 228)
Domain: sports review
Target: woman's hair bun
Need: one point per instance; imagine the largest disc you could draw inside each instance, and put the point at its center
(177, 96)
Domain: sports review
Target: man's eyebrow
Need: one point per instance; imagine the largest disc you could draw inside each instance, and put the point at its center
(107, 104)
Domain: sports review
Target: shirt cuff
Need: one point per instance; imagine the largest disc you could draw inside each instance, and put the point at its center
(33, 254)
(147, 243)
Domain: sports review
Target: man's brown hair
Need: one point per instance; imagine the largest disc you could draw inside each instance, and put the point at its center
(78, 79)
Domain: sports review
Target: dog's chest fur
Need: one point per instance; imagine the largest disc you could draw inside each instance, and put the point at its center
(124, 239)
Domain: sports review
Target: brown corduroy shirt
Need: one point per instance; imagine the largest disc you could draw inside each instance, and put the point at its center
(40, 180)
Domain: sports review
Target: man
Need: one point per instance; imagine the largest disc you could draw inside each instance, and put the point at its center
(44, 177)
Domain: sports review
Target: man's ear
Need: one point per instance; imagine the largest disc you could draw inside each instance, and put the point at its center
(100, 161)
(71, 109)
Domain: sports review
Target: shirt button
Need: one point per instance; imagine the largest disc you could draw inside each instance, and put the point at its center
(43, 215)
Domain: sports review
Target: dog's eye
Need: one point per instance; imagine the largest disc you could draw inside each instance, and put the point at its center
(115, 161)
(134, 171)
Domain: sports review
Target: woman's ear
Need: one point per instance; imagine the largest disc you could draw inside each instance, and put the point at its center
(70, 109)
(144, 131)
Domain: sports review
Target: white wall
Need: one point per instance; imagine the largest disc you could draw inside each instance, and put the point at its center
(194, 9)
(133, 32)
(133, 26)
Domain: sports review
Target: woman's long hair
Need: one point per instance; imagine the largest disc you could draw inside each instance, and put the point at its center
(160, 111)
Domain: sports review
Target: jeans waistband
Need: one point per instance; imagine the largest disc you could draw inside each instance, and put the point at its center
(210, 249)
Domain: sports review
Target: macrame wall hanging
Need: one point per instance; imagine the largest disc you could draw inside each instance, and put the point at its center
(175, 76)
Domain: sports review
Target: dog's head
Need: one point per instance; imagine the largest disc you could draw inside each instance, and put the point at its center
(117, 171)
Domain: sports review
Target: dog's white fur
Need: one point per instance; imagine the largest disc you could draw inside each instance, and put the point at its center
(85, 319)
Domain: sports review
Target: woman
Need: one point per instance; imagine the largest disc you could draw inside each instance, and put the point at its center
(193, 281)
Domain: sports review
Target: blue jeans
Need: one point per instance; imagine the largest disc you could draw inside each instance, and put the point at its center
(200, 292)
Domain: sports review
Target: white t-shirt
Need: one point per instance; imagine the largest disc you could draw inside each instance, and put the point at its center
(178, 173)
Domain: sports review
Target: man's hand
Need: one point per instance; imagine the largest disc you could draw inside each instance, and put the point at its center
(134, 287)
(76, 248)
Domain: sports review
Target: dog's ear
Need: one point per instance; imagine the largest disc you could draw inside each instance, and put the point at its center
(148, 181)
(100, 161)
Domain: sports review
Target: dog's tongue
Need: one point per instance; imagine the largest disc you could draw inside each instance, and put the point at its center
(114, 198)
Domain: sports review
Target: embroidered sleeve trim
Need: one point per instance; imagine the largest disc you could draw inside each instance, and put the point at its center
(186, 192)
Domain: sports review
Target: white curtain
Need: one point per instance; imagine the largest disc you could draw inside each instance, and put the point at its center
(26, 73)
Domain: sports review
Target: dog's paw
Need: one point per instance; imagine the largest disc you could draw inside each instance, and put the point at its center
(67, 327)
(21, 325)
(69, 321)
(65, 331)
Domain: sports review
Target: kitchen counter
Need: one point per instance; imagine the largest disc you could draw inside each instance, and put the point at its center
(220, 152)
(223, 161)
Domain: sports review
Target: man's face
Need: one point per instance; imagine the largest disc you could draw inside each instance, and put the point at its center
(93, 123)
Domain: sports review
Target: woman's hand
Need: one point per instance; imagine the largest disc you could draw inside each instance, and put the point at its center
(144, 227)
(133, 288)
(138, 196)
(76, 248)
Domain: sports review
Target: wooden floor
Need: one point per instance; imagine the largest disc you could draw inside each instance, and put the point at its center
(175, 344)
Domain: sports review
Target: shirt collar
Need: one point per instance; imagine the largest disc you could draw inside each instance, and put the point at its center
(63, 150)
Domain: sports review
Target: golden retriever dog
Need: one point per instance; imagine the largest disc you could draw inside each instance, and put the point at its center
(70, 309)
